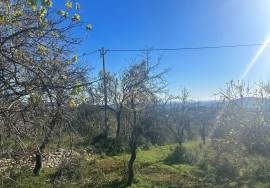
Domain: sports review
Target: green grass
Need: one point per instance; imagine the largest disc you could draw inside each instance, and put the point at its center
(108, 171)
(152, 171)
(155, 154)
(101, 171)
(25, 179)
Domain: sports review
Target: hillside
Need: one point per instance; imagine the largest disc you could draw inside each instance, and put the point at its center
(153, 169)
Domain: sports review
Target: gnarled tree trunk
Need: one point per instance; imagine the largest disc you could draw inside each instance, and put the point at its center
(38, 155)
(130, 164)
(133, 145)
(38, 163)
(118, 128)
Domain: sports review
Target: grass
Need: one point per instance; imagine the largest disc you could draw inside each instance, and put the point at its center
(108, 171)
(25, 179)
(101, 171)
(151, 170)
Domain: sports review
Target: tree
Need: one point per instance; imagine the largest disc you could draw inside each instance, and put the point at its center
(38, 80)
(142, 84)
(118, 94)
(179, 115)
(244, 117)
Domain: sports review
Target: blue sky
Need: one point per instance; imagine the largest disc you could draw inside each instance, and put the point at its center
(132, 24)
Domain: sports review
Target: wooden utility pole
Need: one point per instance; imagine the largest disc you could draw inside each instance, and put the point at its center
(106, 128)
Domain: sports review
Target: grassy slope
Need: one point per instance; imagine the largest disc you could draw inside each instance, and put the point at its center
(108, 171)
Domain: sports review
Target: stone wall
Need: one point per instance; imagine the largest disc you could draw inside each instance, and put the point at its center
(50, 160)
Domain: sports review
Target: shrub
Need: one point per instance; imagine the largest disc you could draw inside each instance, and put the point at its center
(110, 146)
(204, 165)
(23, 178)
(71, 169)
(228, 159)
(258, 169)
(179, 155)
(225, 168)
(144, 143)
(256, 140)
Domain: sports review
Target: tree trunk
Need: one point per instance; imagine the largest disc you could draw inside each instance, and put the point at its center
(203, 134)
(133, 145)
(1, 144)
(130, 165)
(118, 128)
(38, 155)
(38, 164)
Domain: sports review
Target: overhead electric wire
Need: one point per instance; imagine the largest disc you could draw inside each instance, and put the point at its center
(185, 48)
(176, 49)
(89, 53)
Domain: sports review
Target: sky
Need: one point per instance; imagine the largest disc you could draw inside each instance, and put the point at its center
(137, 24)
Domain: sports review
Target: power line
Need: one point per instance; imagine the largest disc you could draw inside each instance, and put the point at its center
(175, 49)
(186, 48)
(89, 53)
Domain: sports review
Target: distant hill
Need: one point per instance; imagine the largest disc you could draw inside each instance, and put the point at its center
(252, 102)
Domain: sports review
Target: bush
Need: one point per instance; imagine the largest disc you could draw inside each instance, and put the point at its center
(23, 178)
(228, 159)
(224, 168)
(258, 169)
(203, 165)
(109, 146)
(71, 169)
(179, 155)
(144, 143)
(256, 140)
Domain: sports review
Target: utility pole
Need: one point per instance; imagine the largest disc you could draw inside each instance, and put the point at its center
(102, 55)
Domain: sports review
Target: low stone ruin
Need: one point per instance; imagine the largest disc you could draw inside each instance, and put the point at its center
(50, 160)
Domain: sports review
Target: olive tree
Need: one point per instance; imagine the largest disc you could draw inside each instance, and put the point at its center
(142, 83)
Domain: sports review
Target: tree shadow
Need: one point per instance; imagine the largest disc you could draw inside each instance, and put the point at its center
(117, 183)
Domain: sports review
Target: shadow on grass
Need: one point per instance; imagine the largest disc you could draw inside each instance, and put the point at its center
(118, 184)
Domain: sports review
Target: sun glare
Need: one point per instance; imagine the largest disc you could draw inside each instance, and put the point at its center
(255, 58)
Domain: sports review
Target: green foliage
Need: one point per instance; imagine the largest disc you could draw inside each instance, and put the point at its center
(180, 155)
(78, 6)
(256, 140)
(69, 4)
(33, 4)
(34, 99)
(42, 50)
(72, 103)
(110, 146)
(47, 3)
(76, 17)
(225, 168)
(63, 13)
(43, 12)
(144, 143)
(89, 27)
(23, 178)
(258, 169)
(72, 169)
(74, 58)
(151, 170)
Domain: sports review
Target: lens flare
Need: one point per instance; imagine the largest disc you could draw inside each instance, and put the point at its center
(255, 58)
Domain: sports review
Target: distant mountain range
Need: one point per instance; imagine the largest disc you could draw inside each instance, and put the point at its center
(247, 102)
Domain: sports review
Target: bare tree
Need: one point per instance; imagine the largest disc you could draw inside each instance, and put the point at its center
(142, 84)
(179, 114)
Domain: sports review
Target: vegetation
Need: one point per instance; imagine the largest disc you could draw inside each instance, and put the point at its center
(61, 128)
